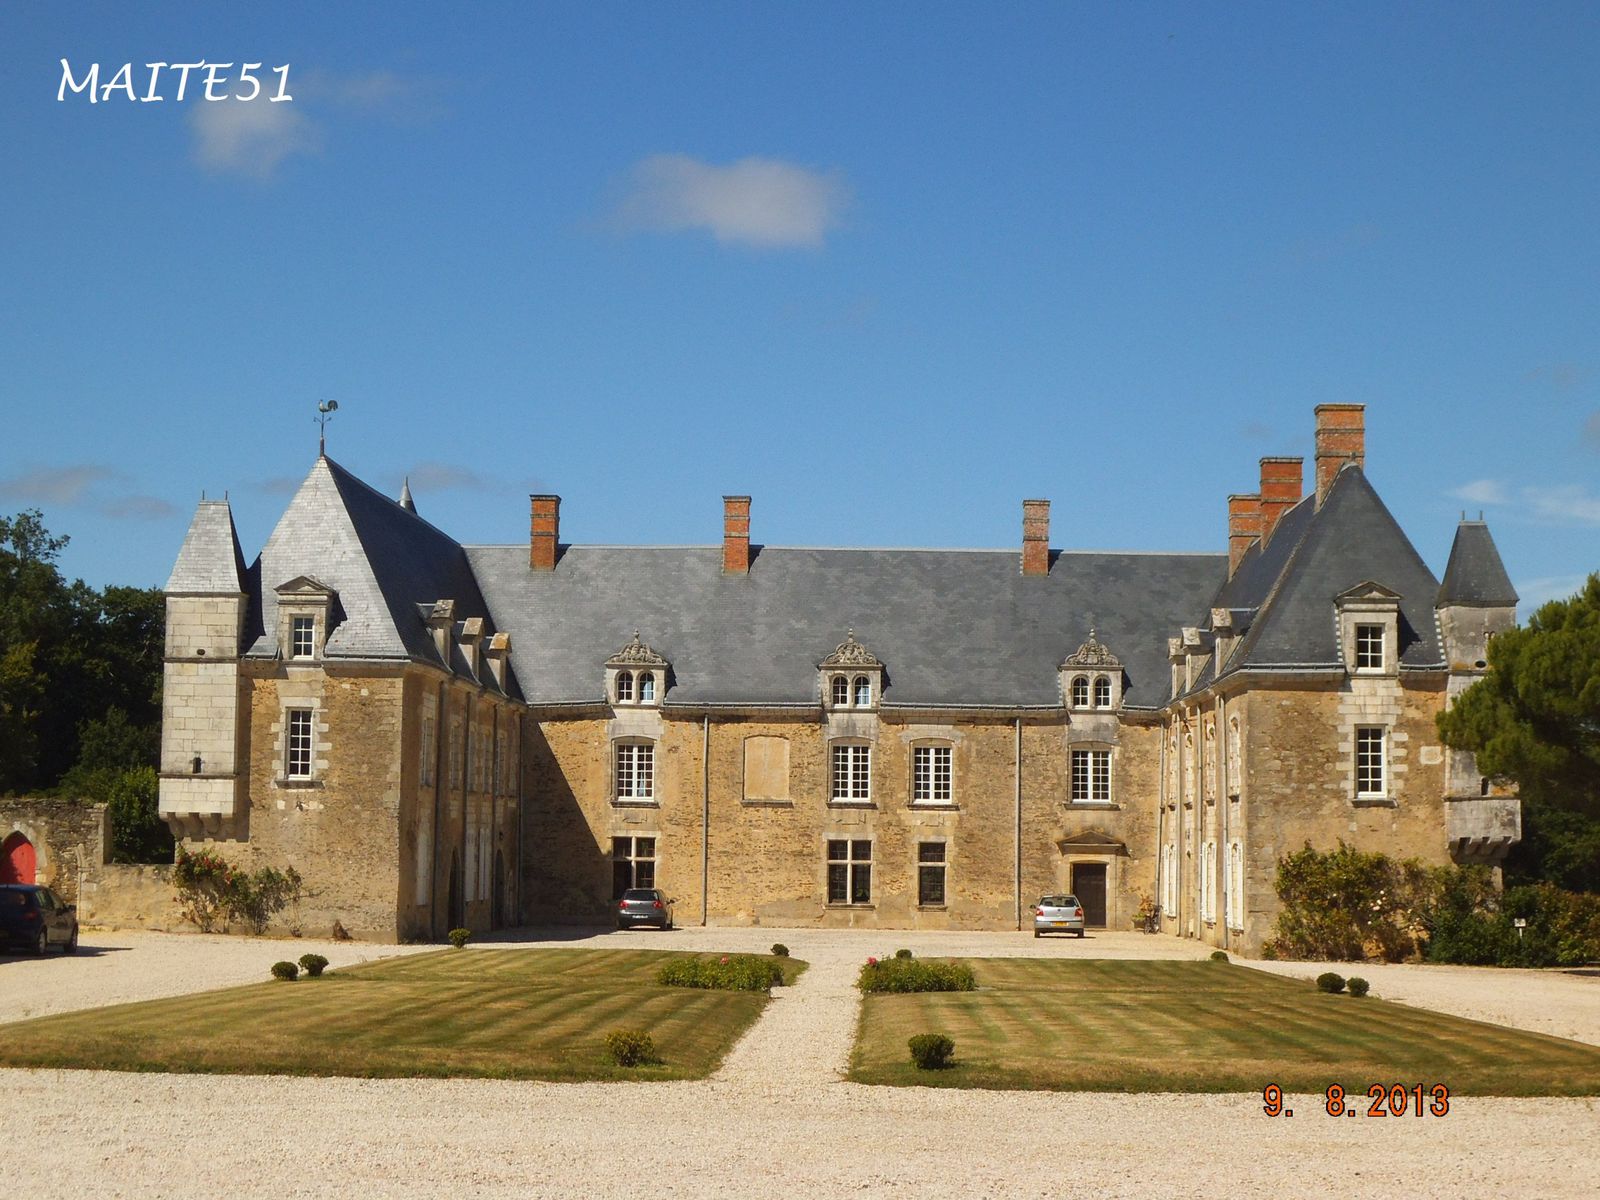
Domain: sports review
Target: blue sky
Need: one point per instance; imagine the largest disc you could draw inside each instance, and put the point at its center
(888, 268)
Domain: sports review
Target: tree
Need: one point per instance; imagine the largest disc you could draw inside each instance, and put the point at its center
(1534, 719)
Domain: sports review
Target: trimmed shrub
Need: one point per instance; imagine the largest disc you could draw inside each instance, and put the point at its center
(458, 937)
(1269, 952)
(1331, 982)
(1219, 956)
(631, 1047)
(931, 1051)
(728, 973)
(1357, 985)
(902, 953)
(914, 975)
(313, 964)
(285, 970)
(779, 950)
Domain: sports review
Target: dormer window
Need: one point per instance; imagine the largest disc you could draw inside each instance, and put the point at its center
(1091, 677)
(852, 676)
(305, 614)
(1369, 629)
(636, 675)
(303, 637)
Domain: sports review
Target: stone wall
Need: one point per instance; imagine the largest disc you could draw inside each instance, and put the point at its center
(70, 838)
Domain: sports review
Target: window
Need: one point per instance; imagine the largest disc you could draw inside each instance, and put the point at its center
(1208, 881)
(624, 686)
(647, 688)
(1369, 762)
(297, 763)
(633, 864)
(636, 773)
(1102, 692)
(863, 692)
(840, 691)
(852, 774)
(1235, 888)
(930, 774)
(1091, 777)
(930, 873)
(849, 872)
(1234, 757)
(303, 637)
(1369, 647)
(1080, 692)
(430, 747)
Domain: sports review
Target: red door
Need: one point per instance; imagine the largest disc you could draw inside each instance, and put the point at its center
(17, 861)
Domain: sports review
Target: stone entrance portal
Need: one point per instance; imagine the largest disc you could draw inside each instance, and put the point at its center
(18, 862)
(1089, 886)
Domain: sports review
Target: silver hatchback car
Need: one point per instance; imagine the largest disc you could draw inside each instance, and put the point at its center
(1057, 914)
(644, 906)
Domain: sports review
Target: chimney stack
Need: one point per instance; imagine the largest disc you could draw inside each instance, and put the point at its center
(544, 531)
(1341, 439)
(1281, 489)
(736, 535)
(1036, 537)
(1244, 528)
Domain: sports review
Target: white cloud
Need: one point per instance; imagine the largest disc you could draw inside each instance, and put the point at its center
(1483, 491)
(1537, 592)
(139, 508)
(439, 477)
(1565, 503)
(250, 137)
(54, 485)
(761, 202)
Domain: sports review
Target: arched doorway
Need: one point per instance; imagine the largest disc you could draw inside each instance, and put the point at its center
(18, 861)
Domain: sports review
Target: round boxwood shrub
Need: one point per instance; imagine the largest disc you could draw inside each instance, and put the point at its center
(284, 970)
(630, 1047)
(1219, 956)
(458, 937)
(313, 964)
(1331, 982)
(779, 950)
(902, 953)
(931, 1051)
(1357, 985)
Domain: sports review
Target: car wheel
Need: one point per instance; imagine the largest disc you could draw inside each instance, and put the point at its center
(43, 944)
(1035, 933)
(1082, 932)
(72, 943)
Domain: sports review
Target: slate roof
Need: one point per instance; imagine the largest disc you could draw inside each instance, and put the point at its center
(1475, 577)
(382, 560)
(953, 627)
(1313, 556)
(210, 560)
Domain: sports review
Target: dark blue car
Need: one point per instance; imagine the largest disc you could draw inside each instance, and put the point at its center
(35, 918)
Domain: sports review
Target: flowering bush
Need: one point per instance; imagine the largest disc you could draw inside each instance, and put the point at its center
(211, 890)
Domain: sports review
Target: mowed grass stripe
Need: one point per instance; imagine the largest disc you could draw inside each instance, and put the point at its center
(1107, 1025)
(528, 1014)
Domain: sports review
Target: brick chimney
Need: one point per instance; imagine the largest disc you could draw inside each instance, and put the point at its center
(736, 535)
(1341, 438)
(1281, 489)
(544, 531)
(1036, 537)
(1244, 528)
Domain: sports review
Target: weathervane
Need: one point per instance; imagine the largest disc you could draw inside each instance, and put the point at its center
(325, 410)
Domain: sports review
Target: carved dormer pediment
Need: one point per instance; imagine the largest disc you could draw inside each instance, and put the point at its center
(304, 586)
(851, 677)
(1091, 654)
(851, 653)
(1367, 592)
(1091, 677)
(636, 654)
(636, 675)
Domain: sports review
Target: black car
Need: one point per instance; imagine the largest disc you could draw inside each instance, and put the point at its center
(35, 918)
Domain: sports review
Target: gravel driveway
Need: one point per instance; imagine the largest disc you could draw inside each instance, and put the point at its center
(774, 1118)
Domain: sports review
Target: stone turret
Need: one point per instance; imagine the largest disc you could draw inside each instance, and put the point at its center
(1475, 602)
(202, 733)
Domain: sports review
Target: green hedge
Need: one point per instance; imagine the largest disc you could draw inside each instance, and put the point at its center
(914, 975)
(728, 973)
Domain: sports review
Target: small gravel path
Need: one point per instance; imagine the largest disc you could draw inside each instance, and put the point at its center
(774, 1119)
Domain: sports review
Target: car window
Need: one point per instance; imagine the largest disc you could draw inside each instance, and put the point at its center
(46, 900)
(639, 894)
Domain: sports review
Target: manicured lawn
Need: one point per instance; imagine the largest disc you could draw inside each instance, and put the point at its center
(1199, 1027)
(516, 1014)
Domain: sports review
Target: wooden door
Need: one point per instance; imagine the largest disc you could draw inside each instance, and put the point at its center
(1089, 886)
(18, 862)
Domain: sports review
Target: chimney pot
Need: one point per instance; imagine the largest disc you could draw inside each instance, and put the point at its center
(1282, 483)
(544, 532)
(736, 535)
(1341, 439)
(1036, 537)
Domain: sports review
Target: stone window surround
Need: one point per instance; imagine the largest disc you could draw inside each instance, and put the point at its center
(1369, 604)
(851, 863)
(849, 801)
(933, 744)
(319, 743)
(1385, 791)
(653, 798)
(856, 666)
(1110, 751)
(943, 864)
(312, 600)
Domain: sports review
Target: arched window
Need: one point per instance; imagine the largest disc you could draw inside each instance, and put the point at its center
(863, 692)
(1102, 692)
(1080, 691)
(841, 691)
(625, 685)
(647, 688)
